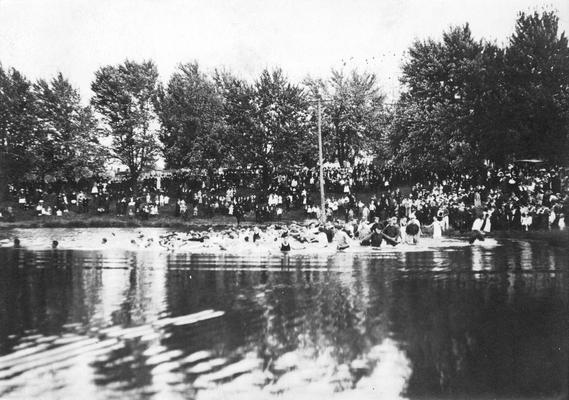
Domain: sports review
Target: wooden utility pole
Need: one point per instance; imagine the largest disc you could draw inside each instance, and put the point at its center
(321, 160)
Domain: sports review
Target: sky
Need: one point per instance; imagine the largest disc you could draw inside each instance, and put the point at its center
(303, 37)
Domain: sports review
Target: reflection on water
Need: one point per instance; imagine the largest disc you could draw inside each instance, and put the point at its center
(448, 323)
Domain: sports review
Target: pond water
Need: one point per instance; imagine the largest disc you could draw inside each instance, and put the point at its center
(465, 322)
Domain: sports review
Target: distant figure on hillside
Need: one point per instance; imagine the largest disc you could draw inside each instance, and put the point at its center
(238, 213)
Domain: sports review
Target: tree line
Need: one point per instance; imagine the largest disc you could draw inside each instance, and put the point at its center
(463, 101)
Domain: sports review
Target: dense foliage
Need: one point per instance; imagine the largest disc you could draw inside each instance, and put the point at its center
(45, 132)
(463, 101)
(18, 128)
(466, 101)
(537, 86)
(353, 113)
(70, 147)
(124, 97)
(190, 109)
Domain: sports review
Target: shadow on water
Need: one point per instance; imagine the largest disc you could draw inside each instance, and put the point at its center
(449, 323)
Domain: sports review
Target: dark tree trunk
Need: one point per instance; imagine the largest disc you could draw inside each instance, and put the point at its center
(3, 187)
(3, 177)
(134, 182)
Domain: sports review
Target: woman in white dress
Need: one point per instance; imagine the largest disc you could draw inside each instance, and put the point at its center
(437, 226)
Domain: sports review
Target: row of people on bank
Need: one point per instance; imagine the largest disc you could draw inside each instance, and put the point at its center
(519, 198)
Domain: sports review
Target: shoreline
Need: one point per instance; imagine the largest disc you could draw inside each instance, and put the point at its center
(219, 222)
(555, 238)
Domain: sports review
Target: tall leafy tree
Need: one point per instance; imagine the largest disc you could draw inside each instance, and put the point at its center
(268, 122)
(190, 109)
(19, 133)
(124, 96)
(447, 116)
(352, 113)
(70, 149)
(537, 76)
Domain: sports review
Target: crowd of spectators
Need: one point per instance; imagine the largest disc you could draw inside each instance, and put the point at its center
(522, 197)
(514, 198)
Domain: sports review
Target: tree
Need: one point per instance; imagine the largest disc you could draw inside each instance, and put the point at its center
(124, 96)
(353, 114)
(268, 122)
(537, 76)
(70, 149)
(19, 134)
(449, 113)
(190, 109)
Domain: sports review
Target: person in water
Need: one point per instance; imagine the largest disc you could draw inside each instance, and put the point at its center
(480, 227)
(413, 230)
(437, 227)
(375, 237)
(256, 234)
(285, 245)
(329, 231)
(342, 239)
(391, 234)
(54, 244)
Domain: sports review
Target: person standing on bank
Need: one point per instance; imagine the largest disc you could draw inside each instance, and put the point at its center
(238, 213)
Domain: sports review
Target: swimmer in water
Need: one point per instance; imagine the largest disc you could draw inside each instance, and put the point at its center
(256, 234)
(285, 245)
(104, 241)
(54, 244)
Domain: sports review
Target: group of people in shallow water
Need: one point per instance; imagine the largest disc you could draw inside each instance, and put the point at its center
(339, 236)
(335, 235)
(332, 235)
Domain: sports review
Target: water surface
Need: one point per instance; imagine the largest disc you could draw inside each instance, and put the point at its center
(467, 322)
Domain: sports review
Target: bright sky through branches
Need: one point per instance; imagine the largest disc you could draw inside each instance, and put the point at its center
(76, 37)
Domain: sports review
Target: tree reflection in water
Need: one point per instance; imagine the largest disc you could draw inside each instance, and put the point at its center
(468, 322)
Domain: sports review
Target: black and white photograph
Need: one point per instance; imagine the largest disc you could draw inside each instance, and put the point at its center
(284, 199)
